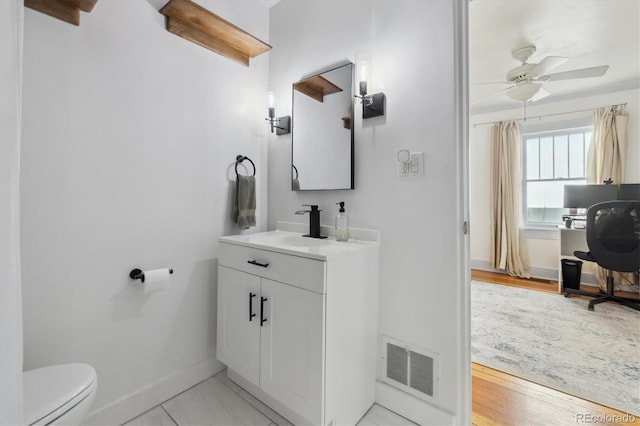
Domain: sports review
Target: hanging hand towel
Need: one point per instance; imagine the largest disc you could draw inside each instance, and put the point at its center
(245, 206)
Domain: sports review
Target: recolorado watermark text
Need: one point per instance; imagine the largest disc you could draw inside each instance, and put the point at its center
(605, 418)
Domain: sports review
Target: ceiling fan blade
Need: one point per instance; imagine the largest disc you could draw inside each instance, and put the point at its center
(541, 94)
(580, 73)
(549, 63)
(491, 94)
(486, 83)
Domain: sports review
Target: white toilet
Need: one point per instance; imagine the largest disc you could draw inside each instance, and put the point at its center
(58, 395)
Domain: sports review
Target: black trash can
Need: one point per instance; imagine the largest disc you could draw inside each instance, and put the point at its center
(571, 270)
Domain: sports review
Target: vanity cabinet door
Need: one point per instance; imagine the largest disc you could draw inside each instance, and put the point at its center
(292, 341)
(238, 338)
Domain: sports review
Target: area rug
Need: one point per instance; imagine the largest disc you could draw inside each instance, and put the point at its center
(557, 342)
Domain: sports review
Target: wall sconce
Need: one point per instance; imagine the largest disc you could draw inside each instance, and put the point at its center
(282, 125)
(372, 105)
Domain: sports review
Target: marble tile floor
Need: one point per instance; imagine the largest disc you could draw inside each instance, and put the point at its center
(218, 401)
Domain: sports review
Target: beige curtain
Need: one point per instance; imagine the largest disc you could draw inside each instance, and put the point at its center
(508, 249)
(608, 148)
(606, 160)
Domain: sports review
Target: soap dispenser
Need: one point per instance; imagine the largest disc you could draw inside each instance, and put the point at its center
(342, 224)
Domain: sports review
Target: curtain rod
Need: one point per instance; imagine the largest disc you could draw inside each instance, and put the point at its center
(545, 115)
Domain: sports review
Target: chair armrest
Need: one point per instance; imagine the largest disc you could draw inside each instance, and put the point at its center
(584, 255)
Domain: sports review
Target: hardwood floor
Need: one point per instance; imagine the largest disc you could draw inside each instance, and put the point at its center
(501, 399)
(532, 284)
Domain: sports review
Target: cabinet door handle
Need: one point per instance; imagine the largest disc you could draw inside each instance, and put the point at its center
(251, 314)
(262, 318)
(253, 262)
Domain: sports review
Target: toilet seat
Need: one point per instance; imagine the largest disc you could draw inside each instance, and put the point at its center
(50, 392)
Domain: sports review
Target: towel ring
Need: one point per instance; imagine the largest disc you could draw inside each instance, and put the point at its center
(240, 159)
(296, 169)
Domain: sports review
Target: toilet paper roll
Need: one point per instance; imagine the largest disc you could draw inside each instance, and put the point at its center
(156, 280)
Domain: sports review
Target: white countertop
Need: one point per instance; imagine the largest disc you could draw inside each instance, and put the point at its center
(294, 243)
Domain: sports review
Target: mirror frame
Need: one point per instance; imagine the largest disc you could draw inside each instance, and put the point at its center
(294, 173)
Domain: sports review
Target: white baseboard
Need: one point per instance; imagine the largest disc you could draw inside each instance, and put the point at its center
(136, 403)
(411, 407)
(536, 272)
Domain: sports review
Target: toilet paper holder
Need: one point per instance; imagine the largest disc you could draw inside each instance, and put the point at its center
(138, 274)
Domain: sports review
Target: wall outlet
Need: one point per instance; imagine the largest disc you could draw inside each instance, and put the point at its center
(413, 169)
(403, 170)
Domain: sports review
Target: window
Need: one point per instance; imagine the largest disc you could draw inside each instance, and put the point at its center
(551, 160)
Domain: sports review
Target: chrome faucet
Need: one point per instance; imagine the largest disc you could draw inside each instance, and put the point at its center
(314, 221)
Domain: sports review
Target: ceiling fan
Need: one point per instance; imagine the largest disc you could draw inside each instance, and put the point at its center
(526, 80)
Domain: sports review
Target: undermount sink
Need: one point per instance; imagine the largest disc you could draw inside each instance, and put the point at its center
(300, 241)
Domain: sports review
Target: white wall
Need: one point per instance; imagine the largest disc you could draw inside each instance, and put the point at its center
(412, 44)
(130, 135)
(11, 24)
(543, 253)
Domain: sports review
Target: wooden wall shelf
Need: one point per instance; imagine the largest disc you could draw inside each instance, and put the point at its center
(316, 87)
(196, 24)
(65, 10)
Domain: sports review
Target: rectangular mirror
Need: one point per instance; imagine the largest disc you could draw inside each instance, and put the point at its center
(322, 150)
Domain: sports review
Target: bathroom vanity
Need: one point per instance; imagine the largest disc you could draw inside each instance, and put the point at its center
(297, 321)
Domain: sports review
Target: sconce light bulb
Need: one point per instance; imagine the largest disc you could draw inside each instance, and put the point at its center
(363, 64)
(271, 100)
(363, 71)
(271, 105)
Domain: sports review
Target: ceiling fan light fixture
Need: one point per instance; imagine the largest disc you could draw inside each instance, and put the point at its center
(524, 91)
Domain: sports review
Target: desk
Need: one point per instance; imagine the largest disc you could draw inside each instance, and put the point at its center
(570, 239)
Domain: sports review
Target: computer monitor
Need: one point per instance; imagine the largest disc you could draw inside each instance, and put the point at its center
(629, 191)
(584, 196)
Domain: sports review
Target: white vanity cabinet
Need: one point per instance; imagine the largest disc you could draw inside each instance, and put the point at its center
(271, 334)
(297, 324)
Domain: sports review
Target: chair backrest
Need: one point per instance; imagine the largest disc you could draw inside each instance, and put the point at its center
(613, 234)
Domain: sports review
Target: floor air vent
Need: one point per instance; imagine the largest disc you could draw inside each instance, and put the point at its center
(409, 368)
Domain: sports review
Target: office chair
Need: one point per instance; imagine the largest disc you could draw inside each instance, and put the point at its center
(613, 238)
